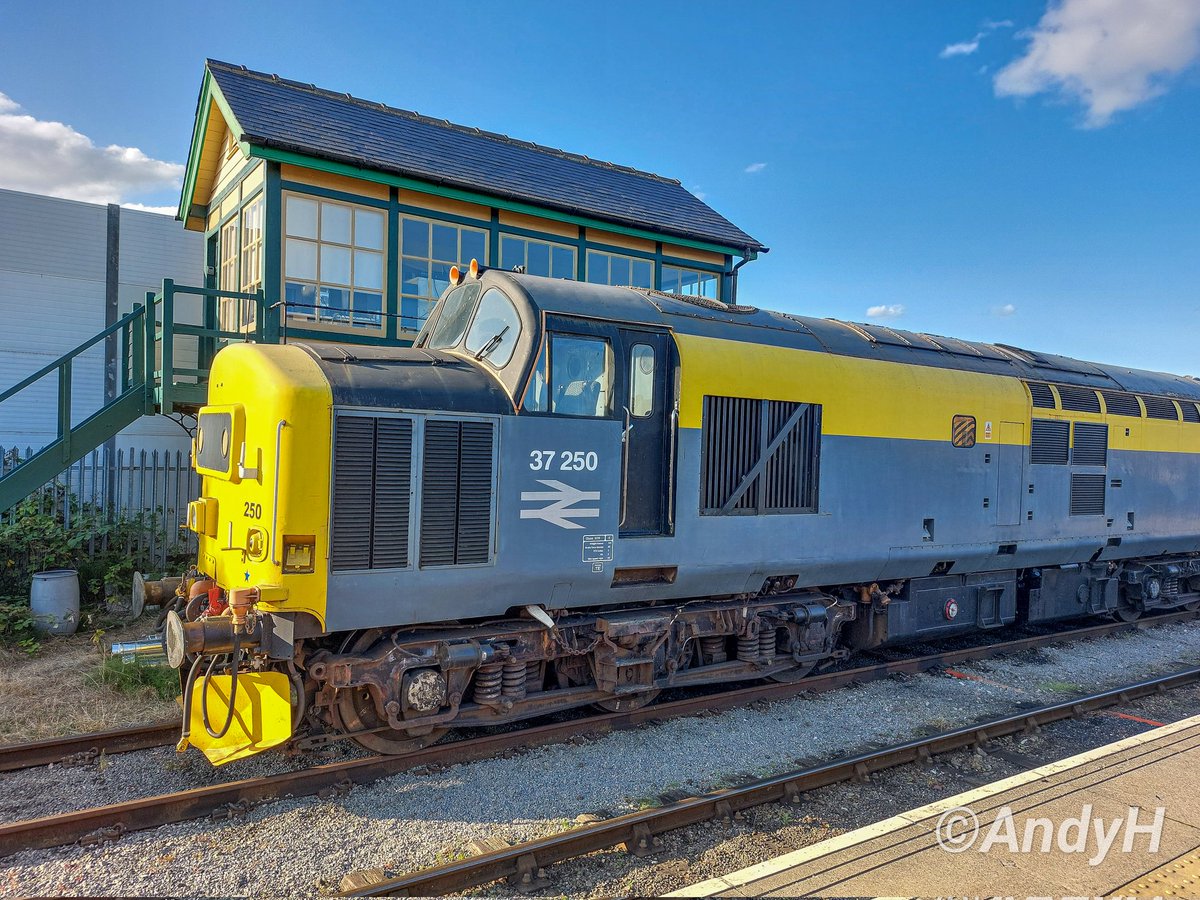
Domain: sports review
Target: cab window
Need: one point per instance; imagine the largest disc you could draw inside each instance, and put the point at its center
(494, 331)
(454, 312)
(580, 378)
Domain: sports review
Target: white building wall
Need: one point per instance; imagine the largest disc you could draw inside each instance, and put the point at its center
(52, 298)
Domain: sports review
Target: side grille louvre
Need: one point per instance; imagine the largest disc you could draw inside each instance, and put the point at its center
(1049, 442)
(1160, 408)
(456, 499)
(1087, 494)
(1191, 413)
(353, 469)
(372, 486)
(1079, 399)
(1091, 444)
(1043, 397)
(760, 456)
(393, 490)
(1119, 404)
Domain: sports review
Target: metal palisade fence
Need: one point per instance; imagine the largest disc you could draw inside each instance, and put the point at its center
(115, 485)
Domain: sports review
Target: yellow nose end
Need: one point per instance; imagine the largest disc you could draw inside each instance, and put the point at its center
(182, 745)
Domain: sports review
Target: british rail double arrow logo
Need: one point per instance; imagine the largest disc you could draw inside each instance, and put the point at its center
(562, 507)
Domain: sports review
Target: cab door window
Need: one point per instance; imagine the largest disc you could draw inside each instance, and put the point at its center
(579, 381)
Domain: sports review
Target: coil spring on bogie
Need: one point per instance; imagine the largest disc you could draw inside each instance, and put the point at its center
(712, 649)
(747, 648)
(766, 644)
(488, 680)
(513, 677)
(533, 676)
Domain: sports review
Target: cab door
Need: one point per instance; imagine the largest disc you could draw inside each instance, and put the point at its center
(647, 407)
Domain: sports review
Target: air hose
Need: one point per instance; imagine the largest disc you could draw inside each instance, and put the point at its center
(234, 657)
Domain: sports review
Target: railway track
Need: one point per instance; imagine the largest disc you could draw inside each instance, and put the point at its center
(80, 749)
(524, 864)
(232, 798)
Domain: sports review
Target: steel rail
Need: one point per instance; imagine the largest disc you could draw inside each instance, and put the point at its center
(524, 863)
(233, 797)
(83, 748)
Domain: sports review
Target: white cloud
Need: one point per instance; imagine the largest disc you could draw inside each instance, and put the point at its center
(1110, 55)
(755, 167)
(52, 158)
(142, 207)
(1006, 310)
(886, 311)
(991, 25)
(966, 48)
(697, 193)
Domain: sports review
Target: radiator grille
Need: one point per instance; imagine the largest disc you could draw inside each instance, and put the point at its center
(1091, 444)
(1160, 408)
(393, 493)
(1120, 404)
(760, 456)
(1078, 398)
(372, 485)
(1042, 396)
(1190, 411)
(1048, 442)
(457, 478)
(1087, 495)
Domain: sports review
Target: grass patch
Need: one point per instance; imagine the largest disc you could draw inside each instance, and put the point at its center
(58, 690)
(1061, 687)
(136, 678)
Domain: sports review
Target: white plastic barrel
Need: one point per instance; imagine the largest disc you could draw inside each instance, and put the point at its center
(54, 600)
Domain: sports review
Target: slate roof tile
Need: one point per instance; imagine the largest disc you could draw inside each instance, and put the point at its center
(277, 113)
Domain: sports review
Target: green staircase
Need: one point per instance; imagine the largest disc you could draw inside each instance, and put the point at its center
(148, 340)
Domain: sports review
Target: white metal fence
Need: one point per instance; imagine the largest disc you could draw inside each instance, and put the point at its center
(120, 485)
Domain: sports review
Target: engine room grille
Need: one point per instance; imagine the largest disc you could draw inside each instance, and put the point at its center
(1160, 408)
(1042, 396)
(1091, 444)
(1078, 399)
(457, 481)
(1049, 441)
(1190, 411)
(1121, 404)
(1087, 494)
(760, 456)
(372, 487)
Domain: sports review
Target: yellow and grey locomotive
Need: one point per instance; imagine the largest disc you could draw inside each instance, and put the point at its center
(571, 494)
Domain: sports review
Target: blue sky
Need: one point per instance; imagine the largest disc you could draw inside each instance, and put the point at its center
(1007, 170)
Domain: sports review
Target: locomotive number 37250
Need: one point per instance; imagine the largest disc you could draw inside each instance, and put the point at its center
(563, 460)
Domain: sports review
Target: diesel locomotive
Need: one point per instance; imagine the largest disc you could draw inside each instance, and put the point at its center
(569, 494)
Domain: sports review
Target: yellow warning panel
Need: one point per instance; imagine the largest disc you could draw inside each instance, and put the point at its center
(262, 715)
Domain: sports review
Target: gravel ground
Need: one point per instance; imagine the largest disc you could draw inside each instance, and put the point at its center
(692, 855)
(304, 847)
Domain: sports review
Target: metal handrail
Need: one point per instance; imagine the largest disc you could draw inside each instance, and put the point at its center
(125, 321)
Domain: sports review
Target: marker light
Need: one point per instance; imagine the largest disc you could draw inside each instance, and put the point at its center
(456, 275)
(475, 269)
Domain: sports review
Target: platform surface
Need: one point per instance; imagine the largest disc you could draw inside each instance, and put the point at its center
(904, 856)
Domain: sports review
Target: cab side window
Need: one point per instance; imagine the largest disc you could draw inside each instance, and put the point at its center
(580, 380)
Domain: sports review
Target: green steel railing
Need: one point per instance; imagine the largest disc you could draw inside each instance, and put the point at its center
(149, 380)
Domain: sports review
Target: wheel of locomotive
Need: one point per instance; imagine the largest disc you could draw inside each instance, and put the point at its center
(628, 702)
(791, 676)
(355, 712)
(1127, 613)
(1193, 606)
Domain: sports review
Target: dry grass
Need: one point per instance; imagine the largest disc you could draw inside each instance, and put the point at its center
(53, 692)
